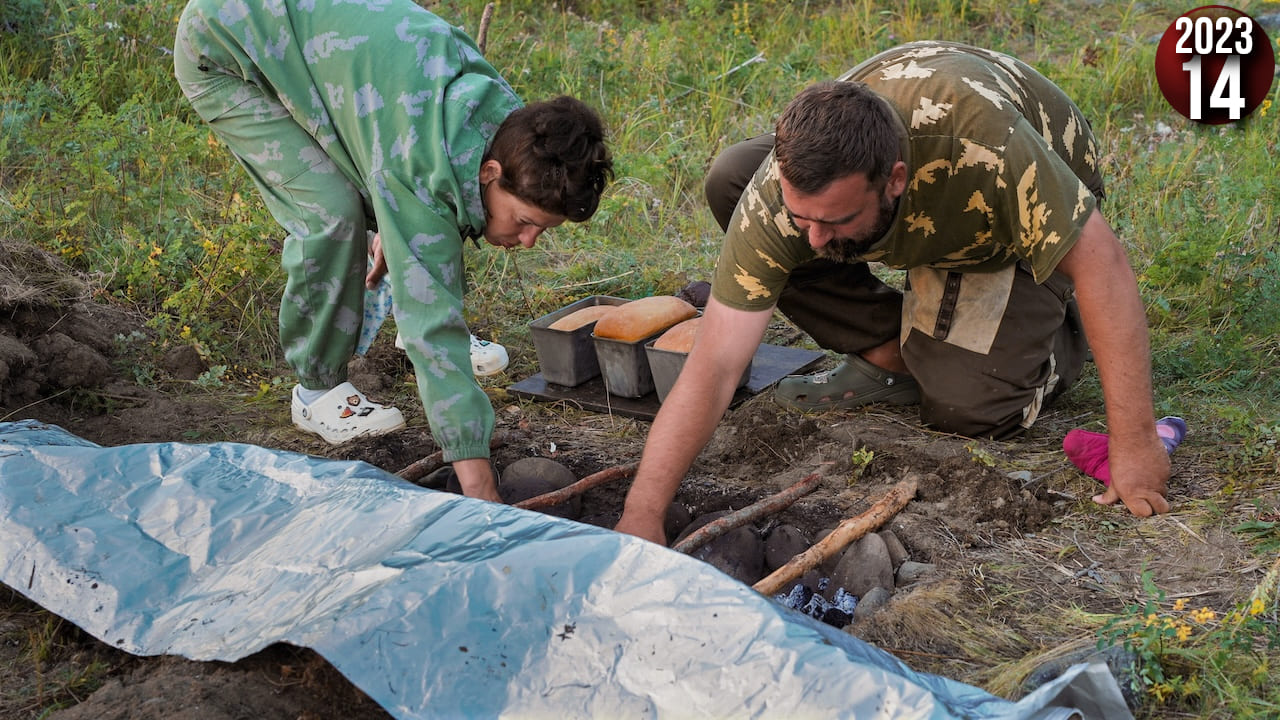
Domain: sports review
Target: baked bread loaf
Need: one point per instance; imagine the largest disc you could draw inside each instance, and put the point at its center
(583, 316)
(642, 318)
(679, 338)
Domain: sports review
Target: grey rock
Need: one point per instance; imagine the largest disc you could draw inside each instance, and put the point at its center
(442, 478)
(533, 476)
(864, 566)
(828, 566)
(814, 580)
(1022, 476)
(911, 571)
(871, 602)
(784, 542)
(677, 519)
(897, 551)
(738, 553)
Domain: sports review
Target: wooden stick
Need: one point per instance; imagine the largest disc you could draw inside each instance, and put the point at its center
(483, 35)
(429, 464)
(846, 532)
(774, 503)
(556, 497)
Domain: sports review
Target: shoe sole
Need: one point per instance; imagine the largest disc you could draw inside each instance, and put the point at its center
(340, 439)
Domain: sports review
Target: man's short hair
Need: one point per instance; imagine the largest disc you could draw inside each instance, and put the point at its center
(832, 130)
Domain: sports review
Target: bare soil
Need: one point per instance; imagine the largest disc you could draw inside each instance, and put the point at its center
(1009, 525)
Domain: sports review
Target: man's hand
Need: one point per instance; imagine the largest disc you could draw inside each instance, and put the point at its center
(378, 267)
(649, 526)
(1139, 476)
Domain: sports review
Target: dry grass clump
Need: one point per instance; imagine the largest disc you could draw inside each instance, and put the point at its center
(30, 277)
(933, 627)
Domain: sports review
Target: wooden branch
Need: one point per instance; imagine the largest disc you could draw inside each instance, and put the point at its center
(556, 497)
(429, 464)
(483, 35)
(774, 503)
(846, 532)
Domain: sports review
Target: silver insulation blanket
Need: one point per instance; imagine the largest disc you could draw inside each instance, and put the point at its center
(435, 605)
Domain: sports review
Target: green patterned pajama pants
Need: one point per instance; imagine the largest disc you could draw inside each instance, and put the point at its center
(326, 251)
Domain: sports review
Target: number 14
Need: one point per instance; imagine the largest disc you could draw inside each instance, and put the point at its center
(1226, 93)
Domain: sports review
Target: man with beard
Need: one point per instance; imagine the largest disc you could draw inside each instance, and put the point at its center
(976, 175)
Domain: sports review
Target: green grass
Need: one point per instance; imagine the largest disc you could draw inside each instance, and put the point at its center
(103, 163)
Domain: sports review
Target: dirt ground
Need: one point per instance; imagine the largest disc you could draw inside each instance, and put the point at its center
(1009, 526)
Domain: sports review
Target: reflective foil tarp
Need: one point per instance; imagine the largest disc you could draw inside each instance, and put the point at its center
(433, 604)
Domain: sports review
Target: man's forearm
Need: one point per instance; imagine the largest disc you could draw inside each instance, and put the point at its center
(683, 426)
(1116, 326)
(726, 341)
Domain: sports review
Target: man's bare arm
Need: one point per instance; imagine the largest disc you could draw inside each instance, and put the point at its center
(726, 342)
(1116, 325)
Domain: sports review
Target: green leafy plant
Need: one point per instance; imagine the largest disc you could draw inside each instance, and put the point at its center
(859, 462)
(979, 455)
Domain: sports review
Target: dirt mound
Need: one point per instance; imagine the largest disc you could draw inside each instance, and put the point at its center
(279, 682)
(53, 339)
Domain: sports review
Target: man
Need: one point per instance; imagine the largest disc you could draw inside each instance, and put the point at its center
(359, 117)
(979, 177)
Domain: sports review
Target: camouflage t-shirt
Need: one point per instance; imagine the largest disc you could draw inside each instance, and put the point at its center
(999, 161)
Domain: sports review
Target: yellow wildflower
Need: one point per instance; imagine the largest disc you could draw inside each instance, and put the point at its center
(1151, 619)
(1160, 691)
(1184, 631)
(1262, 111)
(1180, 604)
(1257, 606)
(1203, 615)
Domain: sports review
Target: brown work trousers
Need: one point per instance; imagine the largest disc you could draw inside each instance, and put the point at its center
(989, 350)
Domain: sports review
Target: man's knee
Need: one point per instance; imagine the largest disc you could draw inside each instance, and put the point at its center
(995, 421)
(980, 405)
(730, 173)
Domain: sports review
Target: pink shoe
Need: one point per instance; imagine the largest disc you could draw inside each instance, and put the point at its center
(1087, 450)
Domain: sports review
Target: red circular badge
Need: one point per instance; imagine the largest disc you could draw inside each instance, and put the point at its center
(1215, 64)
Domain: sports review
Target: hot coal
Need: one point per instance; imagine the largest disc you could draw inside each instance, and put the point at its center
(837, 612)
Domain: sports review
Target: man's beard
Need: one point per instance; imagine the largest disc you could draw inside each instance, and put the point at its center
(850, 249)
